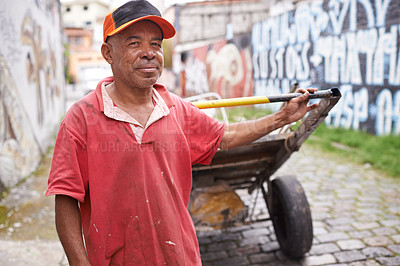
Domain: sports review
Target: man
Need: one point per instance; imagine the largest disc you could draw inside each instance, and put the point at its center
(121, 169)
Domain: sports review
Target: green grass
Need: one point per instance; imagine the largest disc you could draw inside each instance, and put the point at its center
(382, 153)
(236, 114)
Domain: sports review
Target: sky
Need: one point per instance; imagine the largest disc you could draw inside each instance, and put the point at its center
(167, 3)
(116, 3)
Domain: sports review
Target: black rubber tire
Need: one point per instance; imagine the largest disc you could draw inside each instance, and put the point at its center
(291, 216)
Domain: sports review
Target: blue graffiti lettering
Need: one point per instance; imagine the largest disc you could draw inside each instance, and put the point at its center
(384, 113)
(351, 44)
(360, 107)
(396, 114)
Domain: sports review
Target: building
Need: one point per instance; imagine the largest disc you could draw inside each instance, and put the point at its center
(86, 14)
(212, 49)
(83, 22)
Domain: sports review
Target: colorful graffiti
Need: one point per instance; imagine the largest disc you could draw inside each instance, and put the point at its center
(349, 44)
(223, 67)
(39, 61)
(31, 82)
(19, 148)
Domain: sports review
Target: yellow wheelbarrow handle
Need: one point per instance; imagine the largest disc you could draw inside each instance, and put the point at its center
(263, 99)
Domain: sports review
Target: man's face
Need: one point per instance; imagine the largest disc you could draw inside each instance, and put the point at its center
(137, 56)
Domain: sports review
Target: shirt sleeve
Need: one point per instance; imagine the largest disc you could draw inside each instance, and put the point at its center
(203, 132)
(68, 173)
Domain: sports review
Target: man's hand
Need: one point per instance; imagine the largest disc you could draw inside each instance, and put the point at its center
(242, 133)
(296, 108)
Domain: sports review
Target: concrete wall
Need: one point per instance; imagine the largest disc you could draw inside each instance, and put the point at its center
(206, 21)
(223, 67)
(31, 84)
(212, 49)
(350, 44)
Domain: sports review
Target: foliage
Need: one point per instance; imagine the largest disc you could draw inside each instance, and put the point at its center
(236, 114)
(67, 53)
(380, 152)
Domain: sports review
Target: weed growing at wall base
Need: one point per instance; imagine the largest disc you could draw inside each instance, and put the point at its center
(381, 152)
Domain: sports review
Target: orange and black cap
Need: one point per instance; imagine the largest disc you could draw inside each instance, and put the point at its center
(134, 11)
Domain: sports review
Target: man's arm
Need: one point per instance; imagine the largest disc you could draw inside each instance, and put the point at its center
(242, 133)
(69, 229)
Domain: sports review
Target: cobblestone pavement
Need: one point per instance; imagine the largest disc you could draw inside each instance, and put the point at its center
(356, 218)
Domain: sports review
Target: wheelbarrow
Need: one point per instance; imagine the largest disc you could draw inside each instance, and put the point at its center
(252, 166)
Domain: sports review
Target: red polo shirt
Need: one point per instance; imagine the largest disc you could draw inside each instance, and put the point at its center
(133, 196)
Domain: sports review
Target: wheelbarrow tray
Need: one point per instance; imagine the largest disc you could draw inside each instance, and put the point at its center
(252, 165)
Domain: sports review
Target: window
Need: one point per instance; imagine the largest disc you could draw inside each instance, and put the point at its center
(78, 40)
(85, 7)
(88, 23)
(67, 9)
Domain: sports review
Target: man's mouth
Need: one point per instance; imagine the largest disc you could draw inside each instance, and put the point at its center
(148, 68)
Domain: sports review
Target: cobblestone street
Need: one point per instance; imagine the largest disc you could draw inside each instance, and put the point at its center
(356, 219)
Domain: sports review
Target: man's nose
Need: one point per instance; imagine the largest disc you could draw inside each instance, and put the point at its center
(148, 52)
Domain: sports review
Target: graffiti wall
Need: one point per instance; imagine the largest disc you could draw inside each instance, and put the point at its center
(31, 84)
(349, 44)
(223, 67)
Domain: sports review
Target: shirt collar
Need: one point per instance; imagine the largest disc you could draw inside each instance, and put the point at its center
(112, 111)
(162, 91)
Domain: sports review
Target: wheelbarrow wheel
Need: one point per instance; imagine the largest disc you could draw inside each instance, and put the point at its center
(291, 216)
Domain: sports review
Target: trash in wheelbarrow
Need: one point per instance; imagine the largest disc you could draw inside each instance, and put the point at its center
(217, 206)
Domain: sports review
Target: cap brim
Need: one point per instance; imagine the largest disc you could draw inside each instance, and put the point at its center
(167, 28)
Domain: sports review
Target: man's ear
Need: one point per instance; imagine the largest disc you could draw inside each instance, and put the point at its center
(106, 50)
